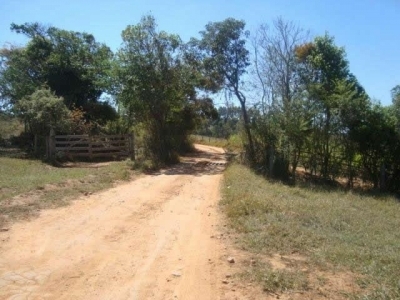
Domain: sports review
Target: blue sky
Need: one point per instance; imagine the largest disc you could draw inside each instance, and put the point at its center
(368, 29)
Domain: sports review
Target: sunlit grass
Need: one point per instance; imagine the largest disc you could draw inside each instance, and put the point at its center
(40, 185)
(333, 229)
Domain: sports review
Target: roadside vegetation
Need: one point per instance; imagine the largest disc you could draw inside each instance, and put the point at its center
(290, 98)
(291, 103)
(320, 230)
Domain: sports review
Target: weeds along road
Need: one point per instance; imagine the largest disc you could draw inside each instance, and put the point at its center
(148, 239)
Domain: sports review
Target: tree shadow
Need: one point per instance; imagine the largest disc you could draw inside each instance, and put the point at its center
(196, 163)
(14, 152)
(319, 184)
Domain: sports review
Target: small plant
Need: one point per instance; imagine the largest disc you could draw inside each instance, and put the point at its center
(274, 281)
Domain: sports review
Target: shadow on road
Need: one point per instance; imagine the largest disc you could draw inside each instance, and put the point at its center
(198, 163)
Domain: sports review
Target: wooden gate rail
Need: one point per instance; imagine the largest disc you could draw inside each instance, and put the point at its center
(91, 146)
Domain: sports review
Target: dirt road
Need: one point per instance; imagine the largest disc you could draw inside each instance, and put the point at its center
(148, 239)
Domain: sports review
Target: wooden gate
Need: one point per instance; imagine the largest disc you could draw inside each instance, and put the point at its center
(91, 146)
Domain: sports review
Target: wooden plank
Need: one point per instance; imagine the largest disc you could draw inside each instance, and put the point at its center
(109, 143)
(86, 137)
(86, 154)
(111, 136)
(68, 136)
(77, 154)
(110, 154)
(71, 148)
(105, 148)
(71, 136)
(93, 146)
(98, 154)
(108, 149)
(71, 142)
(73, 152)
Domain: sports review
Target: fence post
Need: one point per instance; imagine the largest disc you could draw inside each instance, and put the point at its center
(90, 147)
(52, 144)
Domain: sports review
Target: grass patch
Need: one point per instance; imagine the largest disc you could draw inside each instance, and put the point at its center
(27, 186)
(278, 281)
(335, 230)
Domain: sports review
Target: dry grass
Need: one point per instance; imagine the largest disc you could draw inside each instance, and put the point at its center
(27, 186)
(335, 231)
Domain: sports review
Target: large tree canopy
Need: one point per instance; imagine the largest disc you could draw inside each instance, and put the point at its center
(72, 64)
(157, 87)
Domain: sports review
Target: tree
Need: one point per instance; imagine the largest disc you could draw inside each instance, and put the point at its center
(225, 59)
(222, 123)
(72, 64)
(157, 87)
(282, 100)
(43, 110)
(322, 66)
(275, 60)
(396, 104)
(377, 143)
(16, 81)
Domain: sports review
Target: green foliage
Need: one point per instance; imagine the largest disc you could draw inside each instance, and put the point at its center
(396, 104)
(377, 143)
(328, 63)
(156, 87)
(71, 64)
(43, 110)
(15, 80)
(225, 57)
(223, 123)
(224, 60)
(99, 112)
(321, 69)
(312, 111)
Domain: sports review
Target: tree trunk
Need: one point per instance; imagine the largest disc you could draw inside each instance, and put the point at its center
(246, 122)
(350, 175)
(326, 145)
(271, 160)
(35, 145)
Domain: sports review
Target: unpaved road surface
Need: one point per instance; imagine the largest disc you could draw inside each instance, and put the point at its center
(147, 239)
